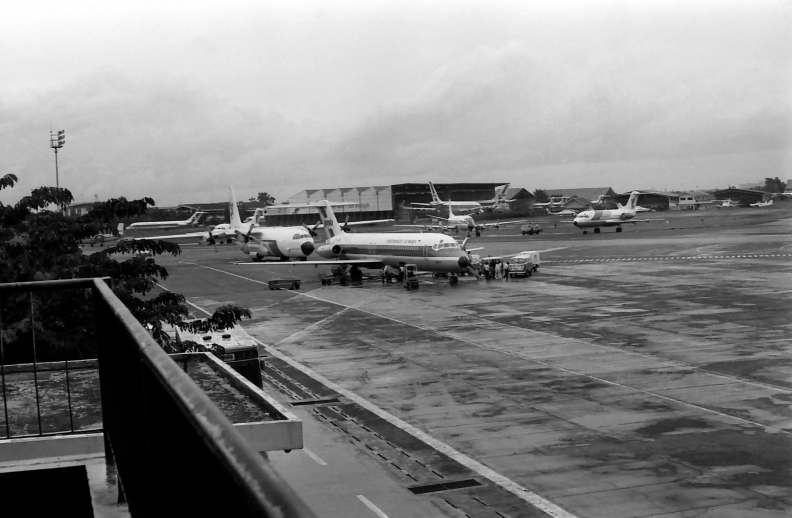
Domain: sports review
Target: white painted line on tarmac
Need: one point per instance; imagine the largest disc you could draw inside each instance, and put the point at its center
(199, 308)
(225, 272)
(371, 506)
(314, 456)
(506, 483)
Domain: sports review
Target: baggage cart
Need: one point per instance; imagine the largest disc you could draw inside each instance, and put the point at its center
(284, 284)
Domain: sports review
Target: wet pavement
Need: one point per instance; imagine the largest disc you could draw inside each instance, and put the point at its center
(631, 376)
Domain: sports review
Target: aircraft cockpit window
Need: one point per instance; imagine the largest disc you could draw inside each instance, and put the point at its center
(440, 246)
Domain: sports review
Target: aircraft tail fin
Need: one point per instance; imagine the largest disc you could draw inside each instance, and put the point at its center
(450, 211)
(435, 197)
(331, 225)
(502, 194)
(233, 210)
(632, 202)
(258, 217)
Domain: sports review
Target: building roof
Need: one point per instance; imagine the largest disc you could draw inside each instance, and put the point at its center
(518, 193)
(587, 193)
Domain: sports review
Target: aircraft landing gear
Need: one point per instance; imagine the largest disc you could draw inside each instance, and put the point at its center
(597, 230)
(585, 231)
(454, 280)
(478, 234)
(618, 229)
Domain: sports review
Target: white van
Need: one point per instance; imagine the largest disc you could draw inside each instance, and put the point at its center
(524, 263)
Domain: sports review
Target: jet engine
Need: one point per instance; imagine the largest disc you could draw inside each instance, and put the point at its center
(329, 250)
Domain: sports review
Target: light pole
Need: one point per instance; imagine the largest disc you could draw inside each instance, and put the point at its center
(57, 142)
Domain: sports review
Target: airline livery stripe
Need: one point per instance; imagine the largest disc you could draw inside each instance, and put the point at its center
(623, 259)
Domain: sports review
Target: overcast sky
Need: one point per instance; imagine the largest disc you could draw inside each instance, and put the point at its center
(177, 100)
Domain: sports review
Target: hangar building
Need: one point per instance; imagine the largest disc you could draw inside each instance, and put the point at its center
(374, 202)
(743, 197)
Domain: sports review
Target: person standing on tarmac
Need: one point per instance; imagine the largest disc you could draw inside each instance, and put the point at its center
(212, 241)
(506, 271)
(492, 270)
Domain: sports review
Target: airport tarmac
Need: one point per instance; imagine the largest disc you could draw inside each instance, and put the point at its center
(640, 374)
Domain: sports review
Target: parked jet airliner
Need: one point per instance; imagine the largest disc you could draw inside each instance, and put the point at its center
(430, 252)
(195, 220)
(465, 207)
(609, 218)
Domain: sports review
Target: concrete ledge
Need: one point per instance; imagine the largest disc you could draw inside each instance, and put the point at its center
(30, 448)
(281, 432)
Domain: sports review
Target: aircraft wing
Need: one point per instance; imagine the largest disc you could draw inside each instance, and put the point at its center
(327, 262)
(472, 210)
(501, 223)
(430, 228)
(204, 234)
(353, 223)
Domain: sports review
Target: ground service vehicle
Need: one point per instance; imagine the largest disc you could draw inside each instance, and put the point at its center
(531, 229)
(284, 284)
(239, 351)
(524, 264)
(411, 276)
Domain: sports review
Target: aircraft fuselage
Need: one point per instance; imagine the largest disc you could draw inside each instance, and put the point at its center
(603, 218)
(430, 252)
(280, 242)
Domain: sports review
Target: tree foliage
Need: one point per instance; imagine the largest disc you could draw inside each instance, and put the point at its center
(774, 185)
(541, 196)
(41, 244)
(265, 198)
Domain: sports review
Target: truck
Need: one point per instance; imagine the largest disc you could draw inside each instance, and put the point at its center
(524, 263)
(236, 347)
(531, 229)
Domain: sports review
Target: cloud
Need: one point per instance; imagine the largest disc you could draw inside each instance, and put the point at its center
(137, 138)
(510, 108)
(610, 94)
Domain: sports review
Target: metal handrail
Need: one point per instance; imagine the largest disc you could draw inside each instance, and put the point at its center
(176, 453)
(266, 493)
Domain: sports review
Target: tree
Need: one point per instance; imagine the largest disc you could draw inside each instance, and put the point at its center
(41, 244)
(541, 196)
(774, 185)
(265, 198)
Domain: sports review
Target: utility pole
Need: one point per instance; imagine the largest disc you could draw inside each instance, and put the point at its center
(57, 142)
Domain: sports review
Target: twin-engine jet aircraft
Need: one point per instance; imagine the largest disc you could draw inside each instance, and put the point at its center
(196, 220)
(457, 222)
(609, 218)
(430, 252)
(463, 207)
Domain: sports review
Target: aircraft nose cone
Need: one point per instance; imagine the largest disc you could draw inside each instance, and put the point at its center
(464, 262)
(307, 248)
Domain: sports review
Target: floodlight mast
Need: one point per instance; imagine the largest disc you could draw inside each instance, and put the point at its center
(57, 142)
